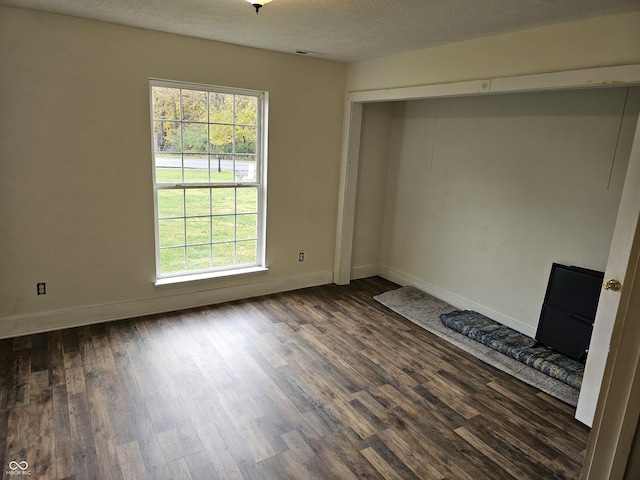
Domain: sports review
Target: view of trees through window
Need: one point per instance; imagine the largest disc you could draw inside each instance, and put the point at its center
(207, 178)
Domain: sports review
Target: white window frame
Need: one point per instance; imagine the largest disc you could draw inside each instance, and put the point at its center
(260, 183)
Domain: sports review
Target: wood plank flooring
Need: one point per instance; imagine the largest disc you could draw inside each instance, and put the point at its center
(320, 383)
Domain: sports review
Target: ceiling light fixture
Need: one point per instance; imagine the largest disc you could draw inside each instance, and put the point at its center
(258, 4)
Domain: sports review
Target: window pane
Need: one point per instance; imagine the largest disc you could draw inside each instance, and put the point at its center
(241, 171)
(194, 105)
(165, 174)
(247, 200)
(171, 232)
(198, 201)
(223, 254)
(223, 228)
(246, 227)
(246, 252)
(221, 168)
(220, 108)
(245, 140)
(166, 103)
(246, 109)
(172, 260)
(199, 257)
(170, 203)
(194, 137)
(196, 168)
(207, 140)
(198, 230)
(246, 168)
(221, 138)
(167, 137)
(223, 200)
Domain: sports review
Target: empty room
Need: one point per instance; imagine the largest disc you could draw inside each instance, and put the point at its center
(238, 240)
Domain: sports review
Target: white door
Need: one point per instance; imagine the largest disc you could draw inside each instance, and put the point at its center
(624, 239)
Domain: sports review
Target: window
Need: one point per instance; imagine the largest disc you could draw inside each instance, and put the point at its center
(209, 147)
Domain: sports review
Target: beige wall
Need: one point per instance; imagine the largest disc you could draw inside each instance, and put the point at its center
(75, 176)
(75, 173)
(484, 193)
(596, 42)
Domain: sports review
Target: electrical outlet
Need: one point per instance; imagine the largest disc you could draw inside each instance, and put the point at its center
(41, 288)
(301, 257)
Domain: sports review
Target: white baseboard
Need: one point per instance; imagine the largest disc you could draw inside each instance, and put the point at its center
(44, 322)
(457, 301)
(365, 271)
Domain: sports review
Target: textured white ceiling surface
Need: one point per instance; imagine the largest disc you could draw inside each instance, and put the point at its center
(344, 30)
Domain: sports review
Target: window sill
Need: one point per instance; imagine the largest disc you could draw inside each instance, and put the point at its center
(209, 275)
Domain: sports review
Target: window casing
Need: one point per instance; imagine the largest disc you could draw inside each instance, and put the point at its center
(209, 171)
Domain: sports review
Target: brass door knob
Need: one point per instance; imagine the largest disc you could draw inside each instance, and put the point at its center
(613, 284)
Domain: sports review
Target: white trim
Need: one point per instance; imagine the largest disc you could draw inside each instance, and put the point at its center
(208, 275)
(457, 89)
(365, 271)
(262, 144)
(46, 322)
(587, 78)
(457, 301)
(347, 198)
(204, 87)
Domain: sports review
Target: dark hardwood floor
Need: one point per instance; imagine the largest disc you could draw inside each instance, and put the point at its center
(320, 383)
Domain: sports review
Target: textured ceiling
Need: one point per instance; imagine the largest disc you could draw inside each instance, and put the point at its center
(345, 30)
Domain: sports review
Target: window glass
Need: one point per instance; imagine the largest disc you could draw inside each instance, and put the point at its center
(208, 160)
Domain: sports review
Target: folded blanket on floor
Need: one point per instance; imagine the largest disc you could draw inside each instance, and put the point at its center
(516, 345)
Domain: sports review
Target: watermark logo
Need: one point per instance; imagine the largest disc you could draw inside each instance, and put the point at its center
(18, 468)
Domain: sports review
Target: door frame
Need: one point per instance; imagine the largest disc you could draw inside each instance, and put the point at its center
(615, 407)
